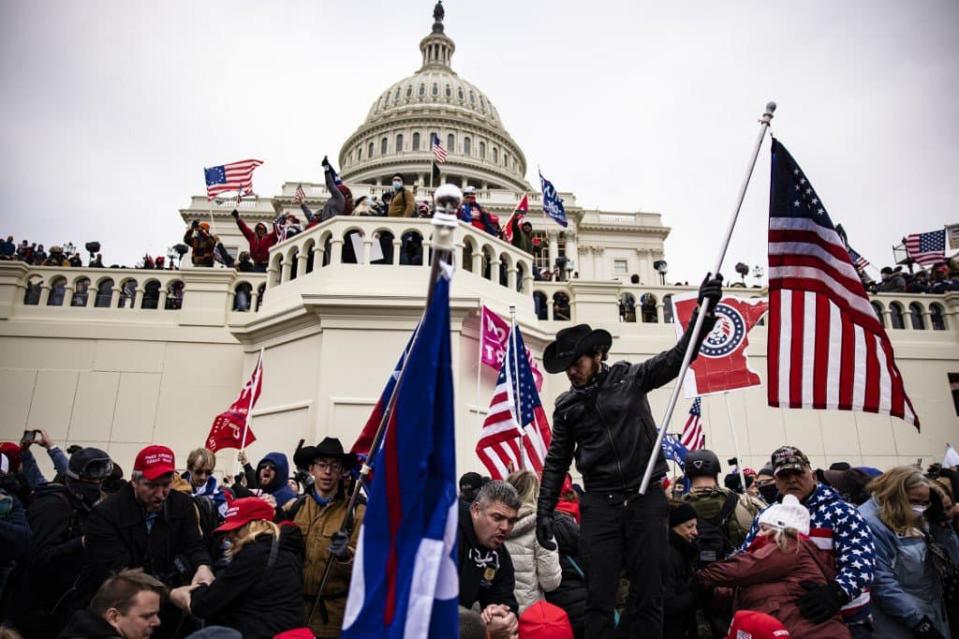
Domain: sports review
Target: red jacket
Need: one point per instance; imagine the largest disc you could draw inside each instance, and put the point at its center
(259, 246)
(767, 580)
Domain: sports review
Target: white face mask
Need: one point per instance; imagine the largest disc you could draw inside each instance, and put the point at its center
(397, 186)
(919, 510)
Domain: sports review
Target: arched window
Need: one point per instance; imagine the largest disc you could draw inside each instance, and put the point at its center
(151, 295)
(450, 143)
(503, 270)
(396, 96)
(895, 315)
(472, 98)
(482, 150)
(467, 146)
(468, 256)
(81, 292)
(436, 89)
(877, 307)
(128, 291)
(416, 141)
(495, 155)
(293, 258)
(449, 91)
(539, 304)
(58, 290)
(411, 248)
(174, 296)
(383, 143)
(242, 296)
(936, 317)
(399, 142)
(409, 91)
(370, 153)
(459, 93)
(359, 154)
(647, 305)
(627, 308)
(104, 294)
(561, 307)
(915, 314)
(488, 258)
(422, 90)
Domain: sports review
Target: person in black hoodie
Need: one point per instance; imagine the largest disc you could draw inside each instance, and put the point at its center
(260, 592)
(58, 517)
(679, 585)
(127, 606)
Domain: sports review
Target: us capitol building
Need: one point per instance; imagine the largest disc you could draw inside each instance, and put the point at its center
(118, 359)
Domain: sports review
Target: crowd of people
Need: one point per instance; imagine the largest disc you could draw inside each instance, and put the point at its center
(937, 279)
(35, 254)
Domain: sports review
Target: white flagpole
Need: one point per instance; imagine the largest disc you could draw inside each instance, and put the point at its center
(479, 364)
(249, 413)
(698, 327)
(732, 429)
(517, 399)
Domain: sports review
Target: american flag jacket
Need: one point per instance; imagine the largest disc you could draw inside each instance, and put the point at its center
(836, 525)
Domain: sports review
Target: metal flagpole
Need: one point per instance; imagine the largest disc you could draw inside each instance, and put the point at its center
(517, 399)
(479, 363)
(698, 327)
(732, 429)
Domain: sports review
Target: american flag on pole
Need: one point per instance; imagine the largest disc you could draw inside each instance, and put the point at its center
(236, 176)
(693, 437)
(926, 248)
(826, 347)
(299, 196)
(516, 432)
(439, 153)
(858, 261)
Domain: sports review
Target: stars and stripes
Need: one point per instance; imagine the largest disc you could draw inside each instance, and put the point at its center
(826, 347)
(299, 196)
(235, 176)
(693, 437)
(516, 432)
(858, 261)
(926, 248)
(439, 153)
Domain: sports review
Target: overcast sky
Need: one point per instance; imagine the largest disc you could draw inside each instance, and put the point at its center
(110, 109)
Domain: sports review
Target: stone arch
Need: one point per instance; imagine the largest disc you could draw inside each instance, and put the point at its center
(104, 293)
(347, 253)
(242, 297)
(58, 290)
(411, 247)
(488, 256)
(128, 292)
(521, 271)
(81, 292)
(647, 308)
(878, 309)
(937, 317)
(916, 316)
(505, 262)
(151, 294)
(34, 286)
(896, 319)
(540, 302)
(383, 237)
(275, 270)
(469, 249)
(561, 307)
(308, 247)
(292, 256)
(174, 295)
(627, 307)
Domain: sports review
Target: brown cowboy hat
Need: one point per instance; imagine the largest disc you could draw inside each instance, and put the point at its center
(571, 343)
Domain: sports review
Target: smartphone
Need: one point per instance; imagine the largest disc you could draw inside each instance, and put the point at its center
(31, 437)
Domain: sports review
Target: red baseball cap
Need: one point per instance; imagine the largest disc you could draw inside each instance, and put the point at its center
(296, 633)
(243, 511)
(12, 451)
(749, 624)
(155, 462)
(543, 620)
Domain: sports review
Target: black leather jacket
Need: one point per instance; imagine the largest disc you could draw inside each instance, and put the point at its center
(607, 426)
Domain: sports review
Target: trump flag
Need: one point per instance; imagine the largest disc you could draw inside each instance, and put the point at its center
(231, 428)
(494, 335)
(405, 582)
(722, 364)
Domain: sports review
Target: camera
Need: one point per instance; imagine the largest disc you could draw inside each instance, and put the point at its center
(31, 437)
(92, 247)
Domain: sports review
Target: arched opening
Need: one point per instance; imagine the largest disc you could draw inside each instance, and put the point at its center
(450, 143)
(467, 145)
(495, 155)
(895, 316)
(627, 308)
(520, 276)
(350, 245)
(174, 296)
(104, 293)
(58, 290)
(151, 295)
(482, 150)
(647, 308)
(242, 296)
(504, 266)
(468, 251)
(327, 250)
(81, 292)
(383, 144)
(292, 257)
(668, 308)
(488, 258)
(561, 307)
(275, 272)
(539, 305)
(915, 314)
(32, 295)
(416, 141)
(384, 239)
(308, 248)
(877, 308)
(128, 292)
(399, 142)
(411, 248)
(359, 154)
(260, 293)
(937, 317)
(370, 151)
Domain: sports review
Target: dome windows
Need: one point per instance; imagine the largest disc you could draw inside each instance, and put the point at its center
(482, 150)
(436, 89)
(370, 154)
(416, 141)
(495, 155)
(359, 154)
(467, 146)
(422, 90)
(399, 142)
(472, 98)
(383, 144)
(396, 96)
(459, 92)
(450, 142)
(409, 91)
(449, 91)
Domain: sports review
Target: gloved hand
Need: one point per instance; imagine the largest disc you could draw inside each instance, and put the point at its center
(925, 630)
(821, 601)
(339, 546)
(544, 532)
(235, 213)
(325, 162)
(195, 224)
(710, 290)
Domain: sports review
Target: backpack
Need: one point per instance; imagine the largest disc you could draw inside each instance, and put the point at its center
(713, 541)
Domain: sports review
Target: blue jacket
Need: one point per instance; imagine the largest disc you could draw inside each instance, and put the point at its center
(15, 534)
(837, 526)
(280, 490)
(907, 586)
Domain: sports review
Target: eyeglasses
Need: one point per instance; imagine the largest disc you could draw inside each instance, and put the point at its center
(332, 467)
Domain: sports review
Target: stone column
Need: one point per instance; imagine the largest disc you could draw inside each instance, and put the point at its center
(511, 278)
(494, 270)
(553, 248)
(114, 297)
(286, 270)
(44, 294)
(137, 298)
(302, 258)
(397, 245)
(161, 302)
(318, 252)
(68, 297)
(336, 247)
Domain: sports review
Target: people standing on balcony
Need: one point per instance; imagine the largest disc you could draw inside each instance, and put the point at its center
(243, 263)
(364, 206)
(198, 238)
(402, 203)
(472, 213)
(892, 280)
(522, 234)
(340, 201)
(8, 249)
(39, 256)
(604, 421)
(260, 241)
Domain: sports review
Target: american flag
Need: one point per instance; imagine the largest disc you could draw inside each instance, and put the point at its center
(693, 437)
(299, 196)
(439, 153)
(236, 176)
(826, 347)
(926, 248)
(499, 447)
(858, 261)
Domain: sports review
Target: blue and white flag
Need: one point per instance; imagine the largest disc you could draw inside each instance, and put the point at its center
(674, 450)
(552, 202)
(405, 582)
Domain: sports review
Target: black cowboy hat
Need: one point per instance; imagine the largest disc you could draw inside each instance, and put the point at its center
(330, 447)
(571, 343)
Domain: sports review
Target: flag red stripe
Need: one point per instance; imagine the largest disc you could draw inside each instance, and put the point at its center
(848, 369)
(772, 349)
(796, 350)
(871, 400)
(868, 321)
(822, 351)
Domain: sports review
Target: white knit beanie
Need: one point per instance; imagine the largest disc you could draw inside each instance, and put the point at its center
(788, 514)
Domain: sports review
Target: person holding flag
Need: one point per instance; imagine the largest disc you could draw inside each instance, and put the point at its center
(518, 231)
(604, 421)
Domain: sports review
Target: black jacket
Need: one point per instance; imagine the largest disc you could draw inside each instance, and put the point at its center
(253, 595)
(679, 594)
(571, 594)
(486, 575)
(87, 624)
(608, 427)
(117, 538)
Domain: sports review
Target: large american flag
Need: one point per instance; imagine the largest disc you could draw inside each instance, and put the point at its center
(926, 248)
(693, 437)
(235, 176)
(826, 347)
(514, 437)
(299, 196)
(439, 153)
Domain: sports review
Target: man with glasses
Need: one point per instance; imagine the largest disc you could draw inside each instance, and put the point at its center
(320, 515)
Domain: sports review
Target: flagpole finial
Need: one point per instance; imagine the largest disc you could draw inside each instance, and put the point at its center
(768, 115)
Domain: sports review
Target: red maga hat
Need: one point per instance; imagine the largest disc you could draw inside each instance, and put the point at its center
(243, 511)
(155, 462)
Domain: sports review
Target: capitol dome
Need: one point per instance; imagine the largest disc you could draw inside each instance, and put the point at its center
(396, 136)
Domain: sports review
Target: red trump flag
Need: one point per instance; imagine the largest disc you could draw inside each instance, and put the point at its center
(722, 364)
(231, 428)
(494, 335)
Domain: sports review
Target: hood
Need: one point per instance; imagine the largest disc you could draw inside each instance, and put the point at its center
(181, 485)
(89, 625)
(685, 548)
(282, 471)
(526, 521)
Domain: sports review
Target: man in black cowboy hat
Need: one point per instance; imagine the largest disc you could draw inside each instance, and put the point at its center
(319, 515)
(605, 422)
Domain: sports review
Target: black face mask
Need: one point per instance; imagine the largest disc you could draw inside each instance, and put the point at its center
(87, 491)
(769, 492)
